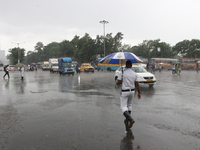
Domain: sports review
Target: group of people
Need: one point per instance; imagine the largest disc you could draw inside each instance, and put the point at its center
(153, 67)
(6, 70)
(176, 69)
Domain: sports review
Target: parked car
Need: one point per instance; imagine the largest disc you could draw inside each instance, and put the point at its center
(12, 68)
(144, 77)
(86, 67)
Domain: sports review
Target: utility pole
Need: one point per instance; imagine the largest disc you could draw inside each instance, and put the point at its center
(18, 49)
(104, 22)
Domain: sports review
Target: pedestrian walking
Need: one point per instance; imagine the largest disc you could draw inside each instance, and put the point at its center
(176, 69)
(147, 67)
(160, 68)
(6, 71)
(129, 82)
(22, 73)
(173, 69)
(35, 68)
(179, 69)
(152, 68)
(197, 65)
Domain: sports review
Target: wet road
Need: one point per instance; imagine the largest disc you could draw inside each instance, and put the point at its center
(82, 112)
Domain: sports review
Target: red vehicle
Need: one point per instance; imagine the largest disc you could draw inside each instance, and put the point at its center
(188, 63)
(166, 63)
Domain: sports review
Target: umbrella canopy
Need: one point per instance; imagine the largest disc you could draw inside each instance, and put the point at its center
(120, 58)
(6, 66)
(20, 65)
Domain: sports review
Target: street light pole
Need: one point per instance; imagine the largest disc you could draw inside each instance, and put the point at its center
(18, 49)
(104, 22)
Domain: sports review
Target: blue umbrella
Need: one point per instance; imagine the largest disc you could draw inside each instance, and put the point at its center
(120, 58)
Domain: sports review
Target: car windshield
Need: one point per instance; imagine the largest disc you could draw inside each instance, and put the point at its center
(137, 69)
(55, 65)
(73, 65)
(68, 65)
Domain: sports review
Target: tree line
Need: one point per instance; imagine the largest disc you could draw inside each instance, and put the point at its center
(86, 49)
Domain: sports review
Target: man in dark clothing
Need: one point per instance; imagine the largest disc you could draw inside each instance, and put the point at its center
(77, 68)
(197, 65)
(6, 71)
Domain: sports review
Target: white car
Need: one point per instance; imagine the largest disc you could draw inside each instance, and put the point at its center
(144, 77)
(12, 68)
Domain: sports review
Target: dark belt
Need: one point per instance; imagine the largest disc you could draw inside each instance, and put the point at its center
(128, 90)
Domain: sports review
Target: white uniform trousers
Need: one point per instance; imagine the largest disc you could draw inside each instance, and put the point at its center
(126, 100)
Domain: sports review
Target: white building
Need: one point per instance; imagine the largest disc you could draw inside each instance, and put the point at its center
(3, 58)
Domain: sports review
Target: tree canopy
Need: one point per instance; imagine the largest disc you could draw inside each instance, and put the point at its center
(86, 49)
(16, 54)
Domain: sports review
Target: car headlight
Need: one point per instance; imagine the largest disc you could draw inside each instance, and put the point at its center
(140, 77)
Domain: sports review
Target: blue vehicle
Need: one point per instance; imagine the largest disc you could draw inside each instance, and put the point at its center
(108, 67)
(66, 66)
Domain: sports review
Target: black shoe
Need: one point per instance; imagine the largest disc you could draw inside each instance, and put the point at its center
(126, 125)
(131, 123)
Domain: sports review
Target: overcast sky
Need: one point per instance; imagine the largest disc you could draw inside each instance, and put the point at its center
(31, 21)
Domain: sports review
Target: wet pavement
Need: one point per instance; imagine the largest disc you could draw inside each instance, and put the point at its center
(82, 112)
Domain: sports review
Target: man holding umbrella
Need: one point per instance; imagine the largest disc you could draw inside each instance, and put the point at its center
(6, 71)
(129, 82)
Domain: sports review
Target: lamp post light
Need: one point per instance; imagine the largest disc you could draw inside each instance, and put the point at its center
(159, 50)
(104, 22)
(18, 49)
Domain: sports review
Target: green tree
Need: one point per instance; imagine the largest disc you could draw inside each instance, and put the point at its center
(39, 48)
(118, 41)
(187, 49)
(86, 47)
(16, 54)
(52, 50)
(153, 48)
(32, 57)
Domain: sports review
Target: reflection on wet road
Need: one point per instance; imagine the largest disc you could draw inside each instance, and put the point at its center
(49, 111)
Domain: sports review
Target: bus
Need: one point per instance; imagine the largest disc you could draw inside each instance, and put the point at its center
(165, 62)
(39, 65)
(188, 63)
(113, 67)
(108, 67)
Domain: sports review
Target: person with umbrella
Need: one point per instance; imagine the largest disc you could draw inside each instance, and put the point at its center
(129, 82)
(6, 71)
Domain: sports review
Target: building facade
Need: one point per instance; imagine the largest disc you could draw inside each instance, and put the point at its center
(3, 57)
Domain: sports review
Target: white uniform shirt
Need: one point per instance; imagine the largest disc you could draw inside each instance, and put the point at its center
(129, 79)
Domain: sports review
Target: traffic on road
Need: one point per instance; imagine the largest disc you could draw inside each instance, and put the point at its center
(49, 111)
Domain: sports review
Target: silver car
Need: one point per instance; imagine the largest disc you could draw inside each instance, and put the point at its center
(144, 77)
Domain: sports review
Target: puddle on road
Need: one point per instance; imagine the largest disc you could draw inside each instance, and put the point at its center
(93, 93)
(39, 91)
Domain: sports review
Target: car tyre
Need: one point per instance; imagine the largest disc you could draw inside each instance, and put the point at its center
(108, 69)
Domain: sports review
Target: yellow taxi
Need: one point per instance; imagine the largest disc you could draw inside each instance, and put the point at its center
(86, 67)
